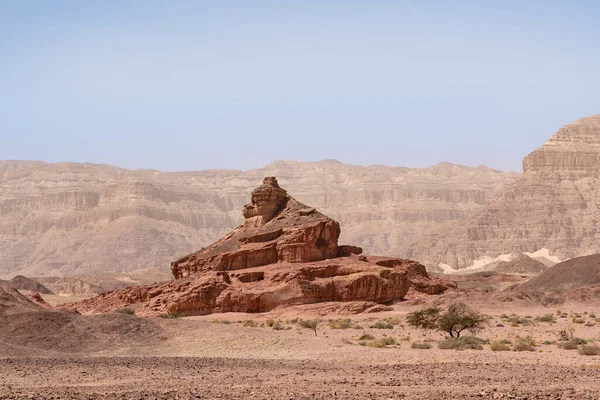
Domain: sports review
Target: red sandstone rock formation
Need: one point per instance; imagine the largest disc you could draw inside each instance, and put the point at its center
(277, 229)
(285, 253)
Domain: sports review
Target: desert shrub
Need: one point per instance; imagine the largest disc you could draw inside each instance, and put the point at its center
(278, 326)
(524, 344)
(462, 343)
(366, 336)
(589, 349)
(570, 345)
(578, 320)
(498, 345)
(421, 345)
(382, 325)
(590, 325)
(454, 321)
(516, 321)
(383, 342)
(545, 318)
(499, 325)
(309, 324)
(340, 324)
(249, 323)
(270, 323)
(126, 311)
(592, 315)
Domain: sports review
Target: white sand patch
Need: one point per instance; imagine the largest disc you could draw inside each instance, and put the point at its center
(544, 253)
(477, 264)
(486, 260)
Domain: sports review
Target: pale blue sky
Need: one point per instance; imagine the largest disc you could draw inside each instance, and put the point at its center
(188, 85)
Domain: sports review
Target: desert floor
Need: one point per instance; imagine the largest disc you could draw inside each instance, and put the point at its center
(235, 356)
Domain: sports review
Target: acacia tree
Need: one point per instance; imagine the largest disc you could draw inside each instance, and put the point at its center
(426, 319)
(454, 321)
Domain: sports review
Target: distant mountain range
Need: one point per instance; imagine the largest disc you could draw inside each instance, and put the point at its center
(73, 219)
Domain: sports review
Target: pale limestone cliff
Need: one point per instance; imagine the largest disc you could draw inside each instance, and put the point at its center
(554, 205)
(573, 153)
(68, 219)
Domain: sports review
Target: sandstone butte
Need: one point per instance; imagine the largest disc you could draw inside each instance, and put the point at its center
(285, 253)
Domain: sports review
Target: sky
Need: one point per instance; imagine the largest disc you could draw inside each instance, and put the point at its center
(237, 84)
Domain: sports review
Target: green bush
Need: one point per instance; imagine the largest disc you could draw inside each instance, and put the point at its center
(524, 344)
(589, 350)
(497, 345)
(545, 318)
(421, 345)
(309, 324)
(277, 326)
(340, 324)
(516, 321)
(571, 344)
(382, 325)
(383, 342)
(462, 343)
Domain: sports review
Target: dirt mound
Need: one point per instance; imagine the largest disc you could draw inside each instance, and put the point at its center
(284, 254)
(40, 332)
(577, 273)
(13, 302)
(522, 265)
(23, 283)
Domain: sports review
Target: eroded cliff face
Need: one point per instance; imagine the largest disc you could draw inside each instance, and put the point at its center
(554, 206)
(277, 228)
(573, 153)
(285, 253)
(74, 219)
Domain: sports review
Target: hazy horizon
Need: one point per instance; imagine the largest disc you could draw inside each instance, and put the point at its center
(260, 166)
(238, 85)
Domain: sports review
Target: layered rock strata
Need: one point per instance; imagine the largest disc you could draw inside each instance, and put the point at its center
(72, 219)
(298, 234)
(573, 153)
(552, 206)
(285, 253)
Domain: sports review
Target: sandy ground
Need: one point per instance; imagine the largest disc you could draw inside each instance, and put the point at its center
(234, 356)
